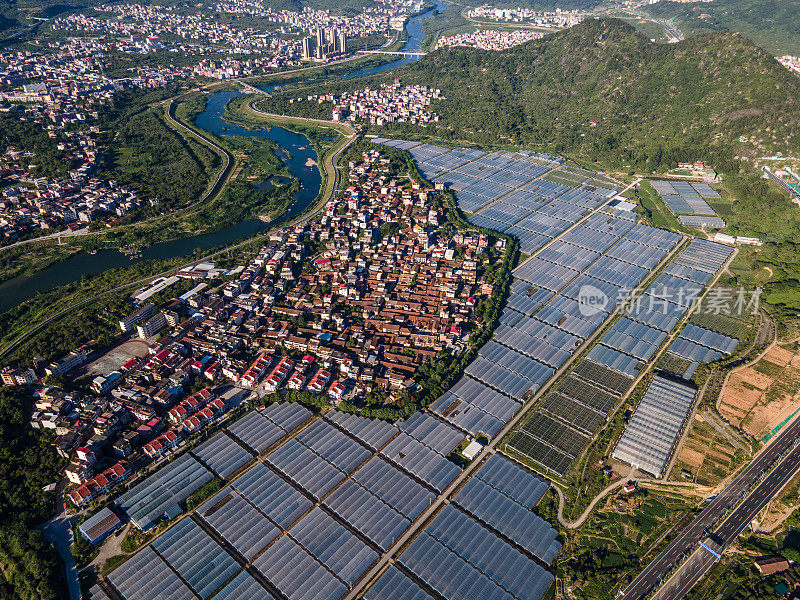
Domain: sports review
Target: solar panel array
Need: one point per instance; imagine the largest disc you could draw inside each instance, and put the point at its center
(394, 585)
(145, 576)
(508, 371)
(702, 221)
(433, 432)
(488, 553)
(313, 531)
(160, 494)
(256, 431)
(475, 407)
(513, 480)
(521, 204)
(196, 557)
(297, 574)
(239, 522)
(222, 455)
(570, 415)
(243, 587)
(697, 345)
(509, 518)
(684, 197)
(655, 426)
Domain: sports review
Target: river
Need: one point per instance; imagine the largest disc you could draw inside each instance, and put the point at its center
(294, 149)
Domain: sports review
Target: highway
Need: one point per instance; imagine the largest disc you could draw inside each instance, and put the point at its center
(793, 194)
(703, 559)
(717, 510)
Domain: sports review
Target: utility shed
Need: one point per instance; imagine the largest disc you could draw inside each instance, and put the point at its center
(98, 527)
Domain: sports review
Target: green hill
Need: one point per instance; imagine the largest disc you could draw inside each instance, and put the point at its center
(772, 24)
(655, 104)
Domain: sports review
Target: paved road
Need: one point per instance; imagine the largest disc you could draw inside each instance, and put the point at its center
(58, 530)
(716, 510)
(210, 191)
(489, 449)
(329, 165)
(53, 236)
(702, 560)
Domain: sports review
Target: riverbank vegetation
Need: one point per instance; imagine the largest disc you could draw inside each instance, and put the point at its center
(255, 163)
(238, 201)
(148, 155)
(157, 160)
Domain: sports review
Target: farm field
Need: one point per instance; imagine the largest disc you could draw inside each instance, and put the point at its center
(760, 398)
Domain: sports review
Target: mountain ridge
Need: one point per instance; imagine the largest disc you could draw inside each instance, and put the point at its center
(694, 97)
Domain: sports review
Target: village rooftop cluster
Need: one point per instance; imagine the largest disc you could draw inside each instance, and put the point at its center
(307, 21)
(63, 87)
(345, 308)
(144, 29)
(489, 39)
(60, 92)
(790, 62)
(556, 18)
(391, 103)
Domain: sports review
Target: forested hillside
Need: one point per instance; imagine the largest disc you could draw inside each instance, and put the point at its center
(654, 104)
(772, 24)
(29, 566)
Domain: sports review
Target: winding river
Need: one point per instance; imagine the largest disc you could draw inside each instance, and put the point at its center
(294, 149)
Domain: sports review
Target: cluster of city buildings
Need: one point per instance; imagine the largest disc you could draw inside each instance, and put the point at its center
(350, 304)
(790, 62)
(142, 28)
(489, 39)
(39, 204)
(371, 20)
(557, 18)
(325, 44)
(60, 91)
(139, 410)
(390, 103)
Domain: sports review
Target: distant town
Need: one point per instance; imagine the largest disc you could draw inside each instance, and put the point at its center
(489, 39)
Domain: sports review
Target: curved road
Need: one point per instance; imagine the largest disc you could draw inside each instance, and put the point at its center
(212, 189)
(331, 184)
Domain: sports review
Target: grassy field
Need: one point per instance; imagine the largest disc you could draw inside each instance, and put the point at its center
(707, 456)
(652, 207)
